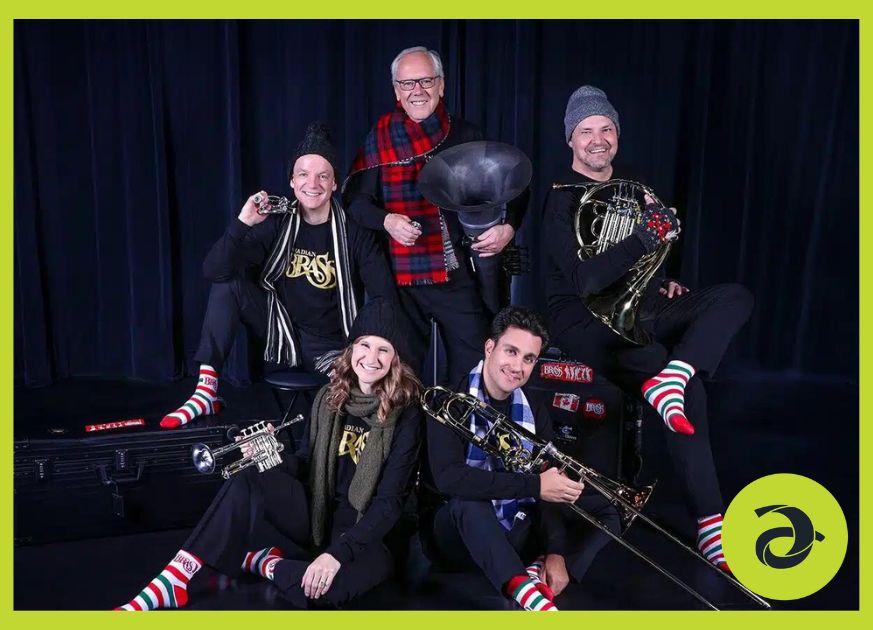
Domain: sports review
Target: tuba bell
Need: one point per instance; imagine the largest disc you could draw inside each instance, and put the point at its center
(607, 213)
(477, 180)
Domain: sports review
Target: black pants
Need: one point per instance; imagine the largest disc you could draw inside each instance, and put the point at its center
(234, 525)
(464, 534)
(240, 301)
(460, 314)
(695, 327)
(584, 541)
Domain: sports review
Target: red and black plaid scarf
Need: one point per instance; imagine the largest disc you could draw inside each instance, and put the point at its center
(397, 144)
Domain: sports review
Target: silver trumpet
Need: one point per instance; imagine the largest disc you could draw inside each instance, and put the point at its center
(522, 451)
(263, 450)
(276, 205)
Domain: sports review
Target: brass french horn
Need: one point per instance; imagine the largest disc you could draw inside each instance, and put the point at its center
(606, 214)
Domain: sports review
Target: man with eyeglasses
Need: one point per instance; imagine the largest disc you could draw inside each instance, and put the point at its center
(424, 243)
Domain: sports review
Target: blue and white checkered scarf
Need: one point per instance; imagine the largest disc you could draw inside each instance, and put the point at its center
(520, 413)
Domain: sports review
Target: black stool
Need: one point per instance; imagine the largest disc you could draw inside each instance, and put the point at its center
(294, 380)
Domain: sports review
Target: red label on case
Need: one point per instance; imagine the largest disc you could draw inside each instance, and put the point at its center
(567, 372)
(568, 402)
(594, 408)
(118, 424)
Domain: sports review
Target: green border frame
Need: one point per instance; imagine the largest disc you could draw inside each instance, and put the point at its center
(460, 9)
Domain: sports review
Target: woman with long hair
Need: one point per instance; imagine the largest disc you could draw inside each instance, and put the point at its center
(357, 455)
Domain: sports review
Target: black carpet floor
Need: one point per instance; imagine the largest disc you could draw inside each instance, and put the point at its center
(759, 427)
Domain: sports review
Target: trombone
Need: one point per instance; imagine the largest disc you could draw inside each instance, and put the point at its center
(508, 441)
(263, 450)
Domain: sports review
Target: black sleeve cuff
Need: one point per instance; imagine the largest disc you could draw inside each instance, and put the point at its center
(341, 551)
(237, 229)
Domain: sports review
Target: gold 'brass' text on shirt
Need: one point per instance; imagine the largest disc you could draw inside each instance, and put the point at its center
(352, 442)
(318, 269)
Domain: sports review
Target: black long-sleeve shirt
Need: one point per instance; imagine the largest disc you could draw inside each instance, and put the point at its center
(242, 248)
(363, 196)
(567, 277)
(394, 484)
(447, 473)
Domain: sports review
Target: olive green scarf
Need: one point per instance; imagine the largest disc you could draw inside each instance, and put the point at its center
(325, 431)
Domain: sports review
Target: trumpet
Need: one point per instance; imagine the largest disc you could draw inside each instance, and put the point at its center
(264, 451)
(524, 452)
(276, 205)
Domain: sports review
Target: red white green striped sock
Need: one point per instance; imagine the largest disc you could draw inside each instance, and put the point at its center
(666, 393)
(535, 572)
(204, 401)
(709, 540)
(535, 568)
(262, 562)
(523, 590)
(170, 588)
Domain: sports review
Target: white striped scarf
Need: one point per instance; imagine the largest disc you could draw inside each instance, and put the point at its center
(282, 346)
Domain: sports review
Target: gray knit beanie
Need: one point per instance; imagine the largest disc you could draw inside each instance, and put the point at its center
(588, 101)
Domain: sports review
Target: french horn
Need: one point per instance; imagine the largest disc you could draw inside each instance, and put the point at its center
(607, 213)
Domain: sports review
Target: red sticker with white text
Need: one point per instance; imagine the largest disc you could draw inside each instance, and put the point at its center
(567, 372)
(118, 424)
(594, 408)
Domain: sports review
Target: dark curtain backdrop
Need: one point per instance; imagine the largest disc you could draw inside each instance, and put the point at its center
(136, 143)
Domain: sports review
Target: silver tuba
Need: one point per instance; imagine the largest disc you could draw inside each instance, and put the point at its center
(522, 451)
(606, 214)
(258, 444)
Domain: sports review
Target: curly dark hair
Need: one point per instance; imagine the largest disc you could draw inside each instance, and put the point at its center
(522, 318)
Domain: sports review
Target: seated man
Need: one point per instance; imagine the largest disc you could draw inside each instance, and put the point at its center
(690, 330)
(311, 263)
(475, 513)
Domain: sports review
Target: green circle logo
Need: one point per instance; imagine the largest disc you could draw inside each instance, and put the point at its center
(784, 536)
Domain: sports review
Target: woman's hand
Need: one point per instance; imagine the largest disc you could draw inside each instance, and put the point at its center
(319, 576)
(247, 450)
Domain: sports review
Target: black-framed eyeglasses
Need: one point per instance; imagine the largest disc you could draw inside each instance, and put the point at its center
(407, 85)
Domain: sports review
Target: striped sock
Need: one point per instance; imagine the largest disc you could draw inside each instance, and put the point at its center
(709, 540)
(534, 569)
(204, 401)
(170, 588)
(523, 590)
(666, 393)
(534, 572)
(262, 562)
